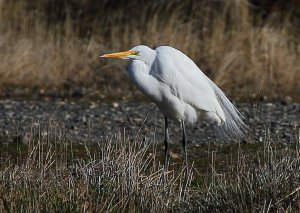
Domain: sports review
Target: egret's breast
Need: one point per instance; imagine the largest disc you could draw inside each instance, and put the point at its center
(177, 110)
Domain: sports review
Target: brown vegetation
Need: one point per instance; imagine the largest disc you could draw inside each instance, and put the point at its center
(50, 44)
(123, 173)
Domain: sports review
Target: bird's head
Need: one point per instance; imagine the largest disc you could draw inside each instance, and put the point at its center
(140, 52)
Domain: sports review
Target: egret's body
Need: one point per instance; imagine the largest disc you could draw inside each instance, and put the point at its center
(176, 85)
(180, 89)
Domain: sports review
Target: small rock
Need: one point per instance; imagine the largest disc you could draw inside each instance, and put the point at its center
(270, 105)
(174, 155)
(5, 132)
(23, 138)
(115, 104)
(93, 105)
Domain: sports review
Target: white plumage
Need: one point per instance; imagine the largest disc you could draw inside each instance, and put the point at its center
(180, 89)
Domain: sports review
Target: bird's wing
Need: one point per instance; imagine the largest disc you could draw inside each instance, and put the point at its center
(185, 80)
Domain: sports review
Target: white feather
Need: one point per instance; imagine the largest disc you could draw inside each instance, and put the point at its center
(181, 90)
(234, 127)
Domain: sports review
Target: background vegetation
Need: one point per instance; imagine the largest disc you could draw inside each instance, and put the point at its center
(249, 49)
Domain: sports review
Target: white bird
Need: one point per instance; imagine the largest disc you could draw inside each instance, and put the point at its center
(181, 90)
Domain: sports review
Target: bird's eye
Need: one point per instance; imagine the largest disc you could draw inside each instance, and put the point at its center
(136, 53)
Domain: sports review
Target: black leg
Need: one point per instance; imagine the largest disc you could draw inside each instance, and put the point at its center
(184, 141)
(166, 145)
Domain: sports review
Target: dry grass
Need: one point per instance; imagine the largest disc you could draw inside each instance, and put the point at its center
(118, 174)
(268, 183)
(57, 45)
(115, 175)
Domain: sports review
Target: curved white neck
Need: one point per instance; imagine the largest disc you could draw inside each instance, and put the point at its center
(138, 72)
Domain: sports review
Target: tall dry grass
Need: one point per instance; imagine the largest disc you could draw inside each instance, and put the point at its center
(115, 175)
(55, 45)
(119, 174)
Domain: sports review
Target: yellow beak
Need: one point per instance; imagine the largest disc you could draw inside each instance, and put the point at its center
(119, 54)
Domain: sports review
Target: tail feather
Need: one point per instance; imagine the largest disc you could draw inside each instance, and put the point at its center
(233, 127)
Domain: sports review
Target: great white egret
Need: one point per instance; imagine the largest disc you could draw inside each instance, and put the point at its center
(180, 90)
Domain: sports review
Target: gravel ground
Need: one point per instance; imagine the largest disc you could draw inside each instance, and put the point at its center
(87, 120)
